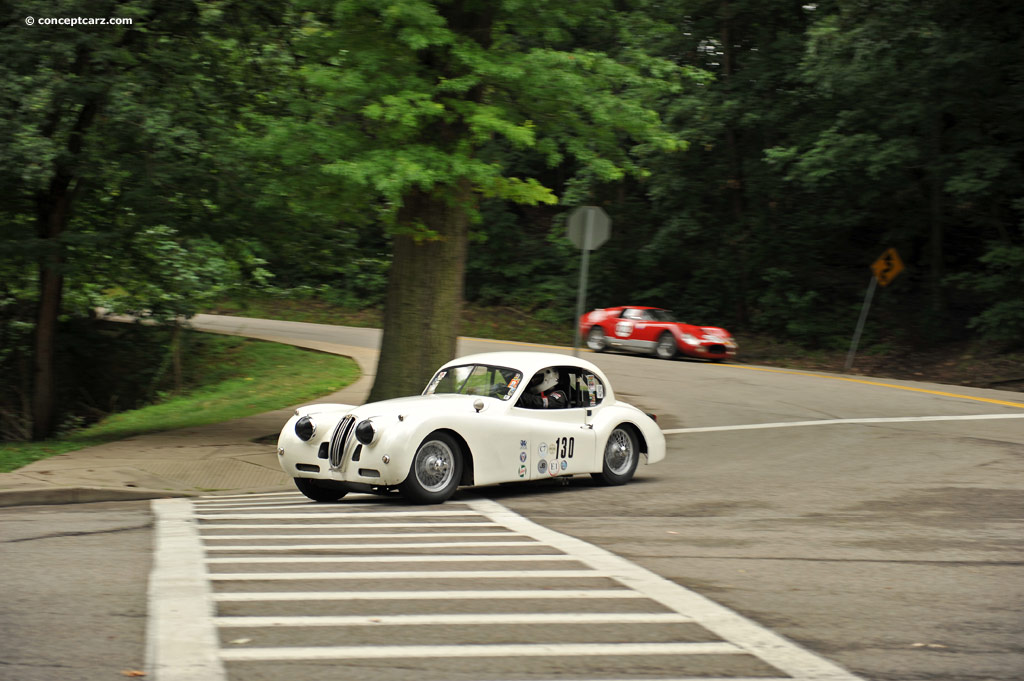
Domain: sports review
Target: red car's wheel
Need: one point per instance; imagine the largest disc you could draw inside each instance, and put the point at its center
(666, 346)
(596, 340)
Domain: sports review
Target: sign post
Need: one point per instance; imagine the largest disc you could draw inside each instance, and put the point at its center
(589, 227)
(885, 269)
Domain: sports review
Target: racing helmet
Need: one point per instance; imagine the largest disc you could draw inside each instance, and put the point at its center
(545, 379)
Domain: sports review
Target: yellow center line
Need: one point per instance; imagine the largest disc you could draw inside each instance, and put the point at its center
(989, 400)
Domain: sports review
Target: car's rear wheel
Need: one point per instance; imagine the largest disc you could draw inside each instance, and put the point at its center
(321, 491)
(435, 470)
(621, 455)
(666, 347)
(596, 340)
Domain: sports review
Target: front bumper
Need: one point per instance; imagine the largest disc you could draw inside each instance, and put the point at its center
(324, 457)
(709, 350)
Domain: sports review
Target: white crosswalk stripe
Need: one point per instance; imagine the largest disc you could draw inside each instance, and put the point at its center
(467, 587)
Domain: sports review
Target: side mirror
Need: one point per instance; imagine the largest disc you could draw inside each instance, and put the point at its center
(478, 404)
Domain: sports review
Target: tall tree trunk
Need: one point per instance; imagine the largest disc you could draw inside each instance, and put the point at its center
(53, 209)
(936, 219)
(425, 284)
(735, 184)
(424, 299)
(52, 217)
(176, 366)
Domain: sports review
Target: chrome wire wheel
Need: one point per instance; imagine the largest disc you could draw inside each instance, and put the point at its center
(596, 340)
(434, 466)
(435, 470)
(621, 456)
(620, 452)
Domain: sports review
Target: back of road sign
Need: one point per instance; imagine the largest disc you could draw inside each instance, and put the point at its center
(589, 227)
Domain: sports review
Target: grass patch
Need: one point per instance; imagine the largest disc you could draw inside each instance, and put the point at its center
(236, 377)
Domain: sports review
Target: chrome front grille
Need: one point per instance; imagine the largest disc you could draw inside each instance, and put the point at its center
(339, 439)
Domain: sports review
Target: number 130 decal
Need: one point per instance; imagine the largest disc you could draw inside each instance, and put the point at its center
(564, 447)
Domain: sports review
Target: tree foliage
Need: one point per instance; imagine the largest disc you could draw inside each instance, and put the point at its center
(108, 131)
(755, 157)
(423, 108)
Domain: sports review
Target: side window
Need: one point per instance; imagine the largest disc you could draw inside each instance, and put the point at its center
(592, 390)
(582, 388)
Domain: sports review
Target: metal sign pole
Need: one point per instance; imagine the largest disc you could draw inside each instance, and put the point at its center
(581, 300)
(588, 228)
(860, 322)
(581, 296)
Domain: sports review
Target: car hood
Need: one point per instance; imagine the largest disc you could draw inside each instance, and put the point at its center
(702, 331)
(401, 406)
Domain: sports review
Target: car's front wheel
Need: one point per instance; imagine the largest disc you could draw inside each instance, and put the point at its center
(318, 490)
(435, 470)
(621, 455)
(596, 340)
(666, 346)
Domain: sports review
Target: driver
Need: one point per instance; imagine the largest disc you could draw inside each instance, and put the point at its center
(543, 393)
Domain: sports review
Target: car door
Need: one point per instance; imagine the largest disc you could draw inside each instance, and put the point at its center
(560, 441)
(646, 330)
(502, 445)
(625, 328)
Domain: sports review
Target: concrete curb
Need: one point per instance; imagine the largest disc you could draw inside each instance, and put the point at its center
(80, 495)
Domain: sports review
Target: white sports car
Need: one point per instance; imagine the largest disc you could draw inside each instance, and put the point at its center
(472, 426)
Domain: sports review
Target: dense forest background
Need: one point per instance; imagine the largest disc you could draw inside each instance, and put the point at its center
(755, 156)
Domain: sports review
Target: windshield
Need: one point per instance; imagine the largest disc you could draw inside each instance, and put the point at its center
(475, 379)
(662, 315)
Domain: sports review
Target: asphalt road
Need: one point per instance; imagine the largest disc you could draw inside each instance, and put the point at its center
(893, 548)
(885, 542)
(73, 603)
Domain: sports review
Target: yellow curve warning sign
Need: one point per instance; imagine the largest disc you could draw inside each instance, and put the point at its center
(887, 267)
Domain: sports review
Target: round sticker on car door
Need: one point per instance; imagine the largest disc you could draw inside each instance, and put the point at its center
(623, 329)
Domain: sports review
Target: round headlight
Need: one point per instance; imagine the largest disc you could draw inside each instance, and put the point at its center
(365, 432)
(305, 428)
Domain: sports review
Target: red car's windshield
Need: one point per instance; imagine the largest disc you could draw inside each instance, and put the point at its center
(661, 315)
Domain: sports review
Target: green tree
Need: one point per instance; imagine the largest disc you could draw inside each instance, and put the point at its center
(706, 225)
(108, 130)
(829, 131)
(411, 104)
(167, 279)
(918, 139)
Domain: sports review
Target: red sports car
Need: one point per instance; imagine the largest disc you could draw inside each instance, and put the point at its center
(654, 331)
